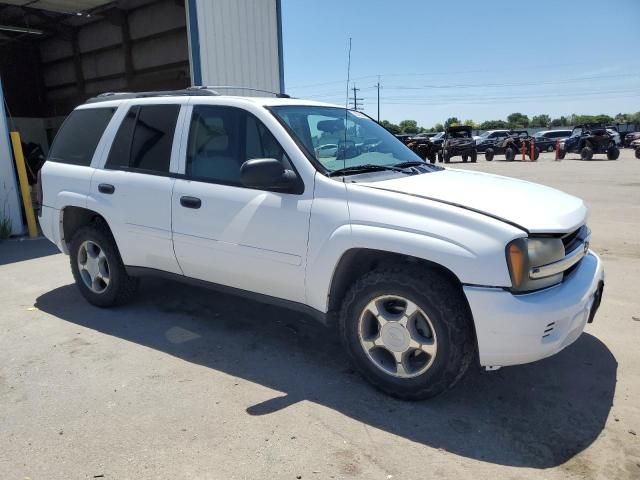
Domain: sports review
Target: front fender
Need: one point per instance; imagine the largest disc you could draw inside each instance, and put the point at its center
(478, 267)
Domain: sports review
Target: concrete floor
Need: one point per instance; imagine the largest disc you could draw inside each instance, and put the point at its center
(186, 383)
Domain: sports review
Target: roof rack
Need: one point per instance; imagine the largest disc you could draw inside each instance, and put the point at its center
(195, 92)
(236, 87)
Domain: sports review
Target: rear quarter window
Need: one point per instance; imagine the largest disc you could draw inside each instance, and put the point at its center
(78, 137)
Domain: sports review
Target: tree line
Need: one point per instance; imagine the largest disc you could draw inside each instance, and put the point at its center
(515, 120)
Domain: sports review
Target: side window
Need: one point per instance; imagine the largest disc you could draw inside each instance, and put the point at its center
(221, 139)
(79, 136)
(144, 139)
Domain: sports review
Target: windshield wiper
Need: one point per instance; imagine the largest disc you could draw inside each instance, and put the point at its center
(411, 163)
(367, 167)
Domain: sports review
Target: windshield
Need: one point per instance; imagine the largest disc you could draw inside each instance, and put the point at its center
(363, 143)
(438, 136)
(486, 134)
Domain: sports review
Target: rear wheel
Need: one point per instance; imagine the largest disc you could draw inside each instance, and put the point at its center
(98, 269)
(465, 158)
(550, 148)
(473, 156)
(488, 154)
(407, 332)
(613, 153)
(510, 154)
(638, 152)
(586, 153)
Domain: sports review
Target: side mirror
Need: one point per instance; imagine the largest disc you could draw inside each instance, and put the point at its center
(266, 173)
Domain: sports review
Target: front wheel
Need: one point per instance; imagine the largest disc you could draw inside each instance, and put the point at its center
(536, 154)
(474, 156)
(586, 153)
(562, 153)
(465, 158)
(638, 152)
(488, 154)
(551, 148)
(613, 153)
(98, 269)
(407, 331)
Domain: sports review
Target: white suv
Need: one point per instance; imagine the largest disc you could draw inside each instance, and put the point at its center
(424, 270)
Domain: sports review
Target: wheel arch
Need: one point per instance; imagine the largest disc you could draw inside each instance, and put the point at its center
(72, 218)
(356, 262)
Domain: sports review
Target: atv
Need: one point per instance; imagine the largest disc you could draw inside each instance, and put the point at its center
(458, 141)
(511, 146)
(424, 148)
(590, 139)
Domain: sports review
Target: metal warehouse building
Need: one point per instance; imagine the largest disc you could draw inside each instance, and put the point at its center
(54, 54)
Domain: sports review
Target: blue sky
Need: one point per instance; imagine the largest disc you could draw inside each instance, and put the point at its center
(477, 60)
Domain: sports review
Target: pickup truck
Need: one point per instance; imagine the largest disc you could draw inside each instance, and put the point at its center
(424, 270)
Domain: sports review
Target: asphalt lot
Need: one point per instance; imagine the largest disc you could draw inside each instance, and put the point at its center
(186, 383)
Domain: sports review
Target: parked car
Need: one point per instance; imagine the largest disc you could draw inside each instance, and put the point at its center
(458, 141)
(630, 137)
(404, 138)
(423, 270)
(512, 145)
(489, 139)
(546, 140)
(590, 139)
(437, 139)
(613, 132)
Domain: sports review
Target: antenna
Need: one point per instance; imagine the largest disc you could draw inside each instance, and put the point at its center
(346, 110)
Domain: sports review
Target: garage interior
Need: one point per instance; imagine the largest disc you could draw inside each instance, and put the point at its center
(54, 54)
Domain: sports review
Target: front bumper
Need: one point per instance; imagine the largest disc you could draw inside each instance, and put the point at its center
(514, 329)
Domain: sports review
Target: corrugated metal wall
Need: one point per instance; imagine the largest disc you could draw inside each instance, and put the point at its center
(239, 42)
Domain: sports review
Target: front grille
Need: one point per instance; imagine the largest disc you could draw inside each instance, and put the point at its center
(573, 239)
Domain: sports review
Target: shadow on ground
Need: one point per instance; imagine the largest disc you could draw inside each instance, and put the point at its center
(19, 250)
(537, 415)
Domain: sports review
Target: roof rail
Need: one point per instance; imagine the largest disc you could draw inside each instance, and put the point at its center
(236, 87)
(105, 97)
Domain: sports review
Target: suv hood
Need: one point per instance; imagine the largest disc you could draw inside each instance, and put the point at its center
(530, 206)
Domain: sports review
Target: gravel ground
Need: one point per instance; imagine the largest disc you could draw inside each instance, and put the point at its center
(186, 383)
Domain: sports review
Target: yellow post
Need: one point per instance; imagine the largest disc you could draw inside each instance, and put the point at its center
(24, 184)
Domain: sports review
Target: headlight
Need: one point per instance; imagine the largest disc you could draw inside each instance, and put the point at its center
(525, 254)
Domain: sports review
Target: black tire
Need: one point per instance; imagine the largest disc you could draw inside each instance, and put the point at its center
(613, 153)
(432, 157)
(510, 154)
(551, 148)
(536, 154)
(488, 154)
(638, 152)
(440, 157)
(473, 157)
(586, 153)
(445, 305)
(465, 158)
(562, 153)
(121, 287)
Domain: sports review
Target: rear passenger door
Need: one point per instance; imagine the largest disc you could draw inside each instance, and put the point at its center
(133, 189)
(229, 234)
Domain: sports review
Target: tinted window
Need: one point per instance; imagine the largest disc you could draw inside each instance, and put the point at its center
(77, 139)
(221, 139)
(144, 139)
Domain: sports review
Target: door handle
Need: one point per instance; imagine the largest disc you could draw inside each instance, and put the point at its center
(106, 188)
(190, 202)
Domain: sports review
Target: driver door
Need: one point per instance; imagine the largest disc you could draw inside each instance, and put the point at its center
(229, 234)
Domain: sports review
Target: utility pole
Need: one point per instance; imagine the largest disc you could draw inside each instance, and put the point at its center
(378, 86)
(356, 101)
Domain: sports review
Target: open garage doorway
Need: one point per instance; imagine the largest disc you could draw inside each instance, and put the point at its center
(54, 54)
